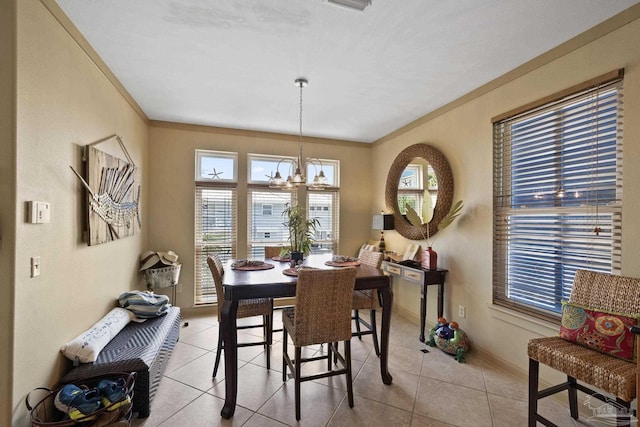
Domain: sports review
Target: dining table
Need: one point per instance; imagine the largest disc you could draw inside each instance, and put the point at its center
(242, 284)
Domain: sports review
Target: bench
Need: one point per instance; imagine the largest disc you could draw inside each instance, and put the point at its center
(141, 347)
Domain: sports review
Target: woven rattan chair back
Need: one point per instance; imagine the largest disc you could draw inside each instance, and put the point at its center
(606, 292)
(371, 258)
(367, 300)
(217, 271)
(599, 371)
(272, 251)
(322, 315)
(246, 308)
(323, 306)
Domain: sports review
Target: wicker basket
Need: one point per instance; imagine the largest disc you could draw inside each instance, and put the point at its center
(164, 277)
(45, 414)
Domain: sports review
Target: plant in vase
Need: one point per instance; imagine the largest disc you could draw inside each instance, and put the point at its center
(429, 256)
(301, 231)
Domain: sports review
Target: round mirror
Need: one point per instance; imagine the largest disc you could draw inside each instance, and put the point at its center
(418, 172)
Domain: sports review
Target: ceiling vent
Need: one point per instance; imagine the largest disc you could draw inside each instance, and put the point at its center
(351, 4)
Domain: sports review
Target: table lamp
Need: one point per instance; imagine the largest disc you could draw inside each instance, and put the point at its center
(382, 222)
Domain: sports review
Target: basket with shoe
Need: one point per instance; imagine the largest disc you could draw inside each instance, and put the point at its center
(100, 401)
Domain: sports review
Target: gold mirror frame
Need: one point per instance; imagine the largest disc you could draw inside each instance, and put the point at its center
(444, 176)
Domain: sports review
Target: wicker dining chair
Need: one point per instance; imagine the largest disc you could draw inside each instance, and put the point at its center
(246, 308)
(367, 300)
(600, 292)
(322, 315)
(272, 251)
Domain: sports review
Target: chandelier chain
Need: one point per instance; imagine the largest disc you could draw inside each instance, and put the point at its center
(301, 86)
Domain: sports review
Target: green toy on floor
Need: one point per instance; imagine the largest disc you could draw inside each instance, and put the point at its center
(448, 337)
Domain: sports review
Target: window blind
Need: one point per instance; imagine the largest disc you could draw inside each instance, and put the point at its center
(265, 221)
(215, 232)
(557, 196)
(325, 206)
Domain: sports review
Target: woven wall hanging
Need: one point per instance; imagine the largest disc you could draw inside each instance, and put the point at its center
(113, 195)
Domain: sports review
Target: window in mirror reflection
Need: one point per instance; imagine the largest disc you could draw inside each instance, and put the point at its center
(410, 188)
(412, 185)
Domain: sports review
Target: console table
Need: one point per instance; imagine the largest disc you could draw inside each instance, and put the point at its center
(425, 278)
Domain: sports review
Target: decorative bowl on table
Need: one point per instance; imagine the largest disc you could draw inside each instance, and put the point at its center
(343, 261)
(251, 264)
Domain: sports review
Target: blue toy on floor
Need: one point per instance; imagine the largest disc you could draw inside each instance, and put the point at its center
(448, 337)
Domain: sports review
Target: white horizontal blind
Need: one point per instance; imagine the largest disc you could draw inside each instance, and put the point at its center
(265, 221)
(557, 197)
(215, 232)
(325, 207)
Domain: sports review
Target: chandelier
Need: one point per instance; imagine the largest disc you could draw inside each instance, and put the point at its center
(298, 166)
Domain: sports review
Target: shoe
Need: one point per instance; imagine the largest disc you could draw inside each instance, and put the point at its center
(77, 403)
(114, 393)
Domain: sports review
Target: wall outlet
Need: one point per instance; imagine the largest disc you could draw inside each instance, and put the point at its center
(462, 311)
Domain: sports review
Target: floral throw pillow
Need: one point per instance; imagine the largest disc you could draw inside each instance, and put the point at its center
(604, 332)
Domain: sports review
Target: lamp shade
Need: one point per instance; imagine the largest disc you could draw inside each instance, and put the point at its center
(382, 222)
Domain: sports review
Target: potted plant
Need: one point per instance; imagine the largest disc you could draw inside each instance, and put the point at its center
(429, 256)
(301, 230)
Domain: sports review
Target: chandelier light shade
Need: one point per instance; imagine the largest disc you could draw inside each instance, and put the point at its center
(298, 166)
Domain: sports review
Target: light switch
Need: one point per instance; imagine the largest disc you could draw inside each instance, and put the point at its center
(35, 266)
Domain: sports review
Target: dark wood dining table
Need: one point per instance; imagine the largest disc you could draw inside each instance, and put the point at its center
(241, 284)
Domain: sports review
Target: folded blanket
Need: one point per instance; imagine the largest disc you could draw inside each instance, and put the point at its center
(145, 304)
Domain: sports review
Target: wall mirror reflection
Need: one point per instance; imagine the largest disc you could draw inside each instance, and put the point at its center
(420, 173)
(418, 188)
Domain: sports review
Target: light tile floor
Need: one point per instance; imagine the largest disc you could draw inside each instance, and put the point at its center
(429, 389)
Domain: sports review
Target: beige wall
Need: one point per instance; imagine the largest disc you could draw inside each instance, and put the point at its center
(63, 102)
(171, 198)
(7, 199)
(464, 134)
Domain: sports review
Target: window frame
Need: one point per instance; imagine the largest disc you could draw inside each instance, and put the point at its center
(517, 219)
(204, 289)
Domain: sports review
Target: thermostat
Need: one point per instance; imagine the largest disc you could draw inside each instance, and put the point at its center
(39, 212)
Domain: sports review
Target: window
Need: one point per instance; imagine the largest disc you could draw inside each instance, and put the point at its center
(331, 169)
(325, 206)
(265, 205)
(266, 230)
(410, 188)
(216, 166)
(557, 195)
(215, 217)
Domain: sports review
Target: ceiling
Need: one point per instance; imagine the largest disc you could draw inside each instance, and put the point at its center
(232, 63)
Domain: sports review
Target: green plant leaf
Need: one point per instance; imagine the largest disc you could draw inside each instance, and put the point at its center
(451, 216)
(412, 216)
(301, 229)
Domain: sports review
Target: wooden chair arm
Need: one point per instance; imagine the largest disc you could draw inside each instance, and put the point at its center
(635, 329)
